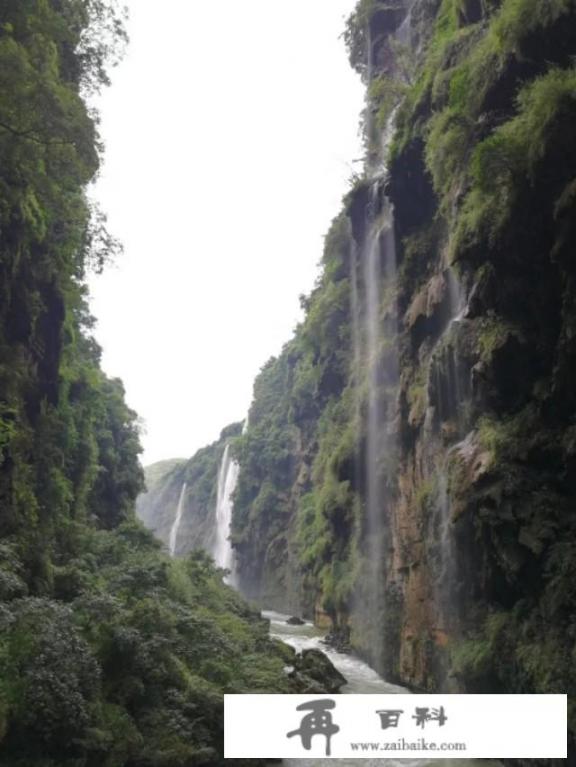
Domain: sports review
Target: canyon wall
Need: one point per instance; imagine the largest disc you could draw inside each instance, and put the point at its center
(471, 166)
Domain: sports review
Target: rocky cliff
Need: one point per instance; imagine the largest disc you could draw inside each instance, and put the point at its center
(443, 541)
(407, 476)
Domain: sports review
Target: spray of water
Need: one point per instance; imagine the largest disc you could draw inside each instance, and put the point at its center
(177, 519)
(374, 289)
(381, 370)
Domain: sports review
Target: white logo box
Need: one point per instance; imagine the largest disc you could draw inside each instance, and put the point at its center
(395, 726)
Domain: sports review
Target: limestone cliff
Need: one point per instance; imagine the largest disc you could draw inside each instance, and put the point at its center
(407, 475)
(468, 374)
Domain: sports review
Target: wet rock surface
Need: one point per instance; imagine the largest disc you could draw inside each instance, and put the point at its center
(314, 673)
(294, 620)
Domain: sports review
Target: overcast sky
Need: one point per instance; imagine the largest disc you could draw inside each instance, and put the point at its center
(230, 132)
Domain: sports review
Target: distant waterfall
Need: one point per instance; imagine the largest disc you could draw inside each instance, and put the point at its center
(177, 520)
(227, 480)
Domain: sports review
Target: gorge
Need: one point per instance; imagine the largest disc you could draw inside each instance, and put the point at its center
(406, 475)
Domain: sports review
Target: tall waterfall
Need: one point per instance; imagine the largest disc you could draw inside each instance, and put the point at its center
(177, 519)
(227, 480)
(373, 331)
(380, 360)
(374, 304)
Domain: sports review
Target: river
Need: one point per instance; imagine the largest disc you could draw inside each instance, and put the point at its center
(361, 679)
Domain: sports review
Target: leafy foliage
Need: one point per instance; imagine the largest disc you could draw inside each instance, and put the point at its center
(132, 666)
(110, 653)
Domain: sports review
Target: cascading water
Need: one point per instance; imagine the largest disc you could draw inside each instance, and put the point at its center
(223, 552)
(227, 480)
(377, 374)
(374, 424)
(176, 524)
(451, 390)
(378, 377)
(361, 679)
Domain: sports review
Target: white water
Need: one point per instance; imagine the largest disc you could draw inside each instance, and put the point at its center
(177, 519)
(227, 480)
(361, 679)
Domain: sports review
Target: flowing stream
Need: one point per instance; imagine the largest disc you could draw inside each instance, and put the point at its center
(361, 679)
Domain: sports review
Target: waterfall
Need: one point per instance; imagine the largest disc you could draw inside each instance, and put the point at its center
(177, 519)
(374, 423)
(451, 389)
(227, 480)
(375, 289)
(373, 302)
(381, 365)
(404, 32)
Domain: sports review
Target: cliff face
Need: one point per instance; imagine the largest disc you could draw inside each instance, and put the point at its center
(443, 540)
(194, 484)
(481, 177)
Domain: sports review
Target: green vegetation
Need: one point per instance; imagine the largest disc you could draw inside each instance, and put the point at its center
(295, 506)
(489, 116)
(110, 653)
(70, 445)
(505, 162)
(481, 175)
(127, 661)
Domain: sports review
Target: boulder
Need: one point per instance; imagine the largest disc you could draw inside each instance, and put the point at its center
(295, 621)
(313, 665)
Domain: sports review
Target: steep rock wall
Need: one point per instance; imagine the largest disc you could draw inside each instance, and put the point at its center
(474, 589)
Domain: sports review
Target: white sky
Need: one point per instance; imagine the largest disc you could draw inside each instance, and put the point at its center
(230, 131)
